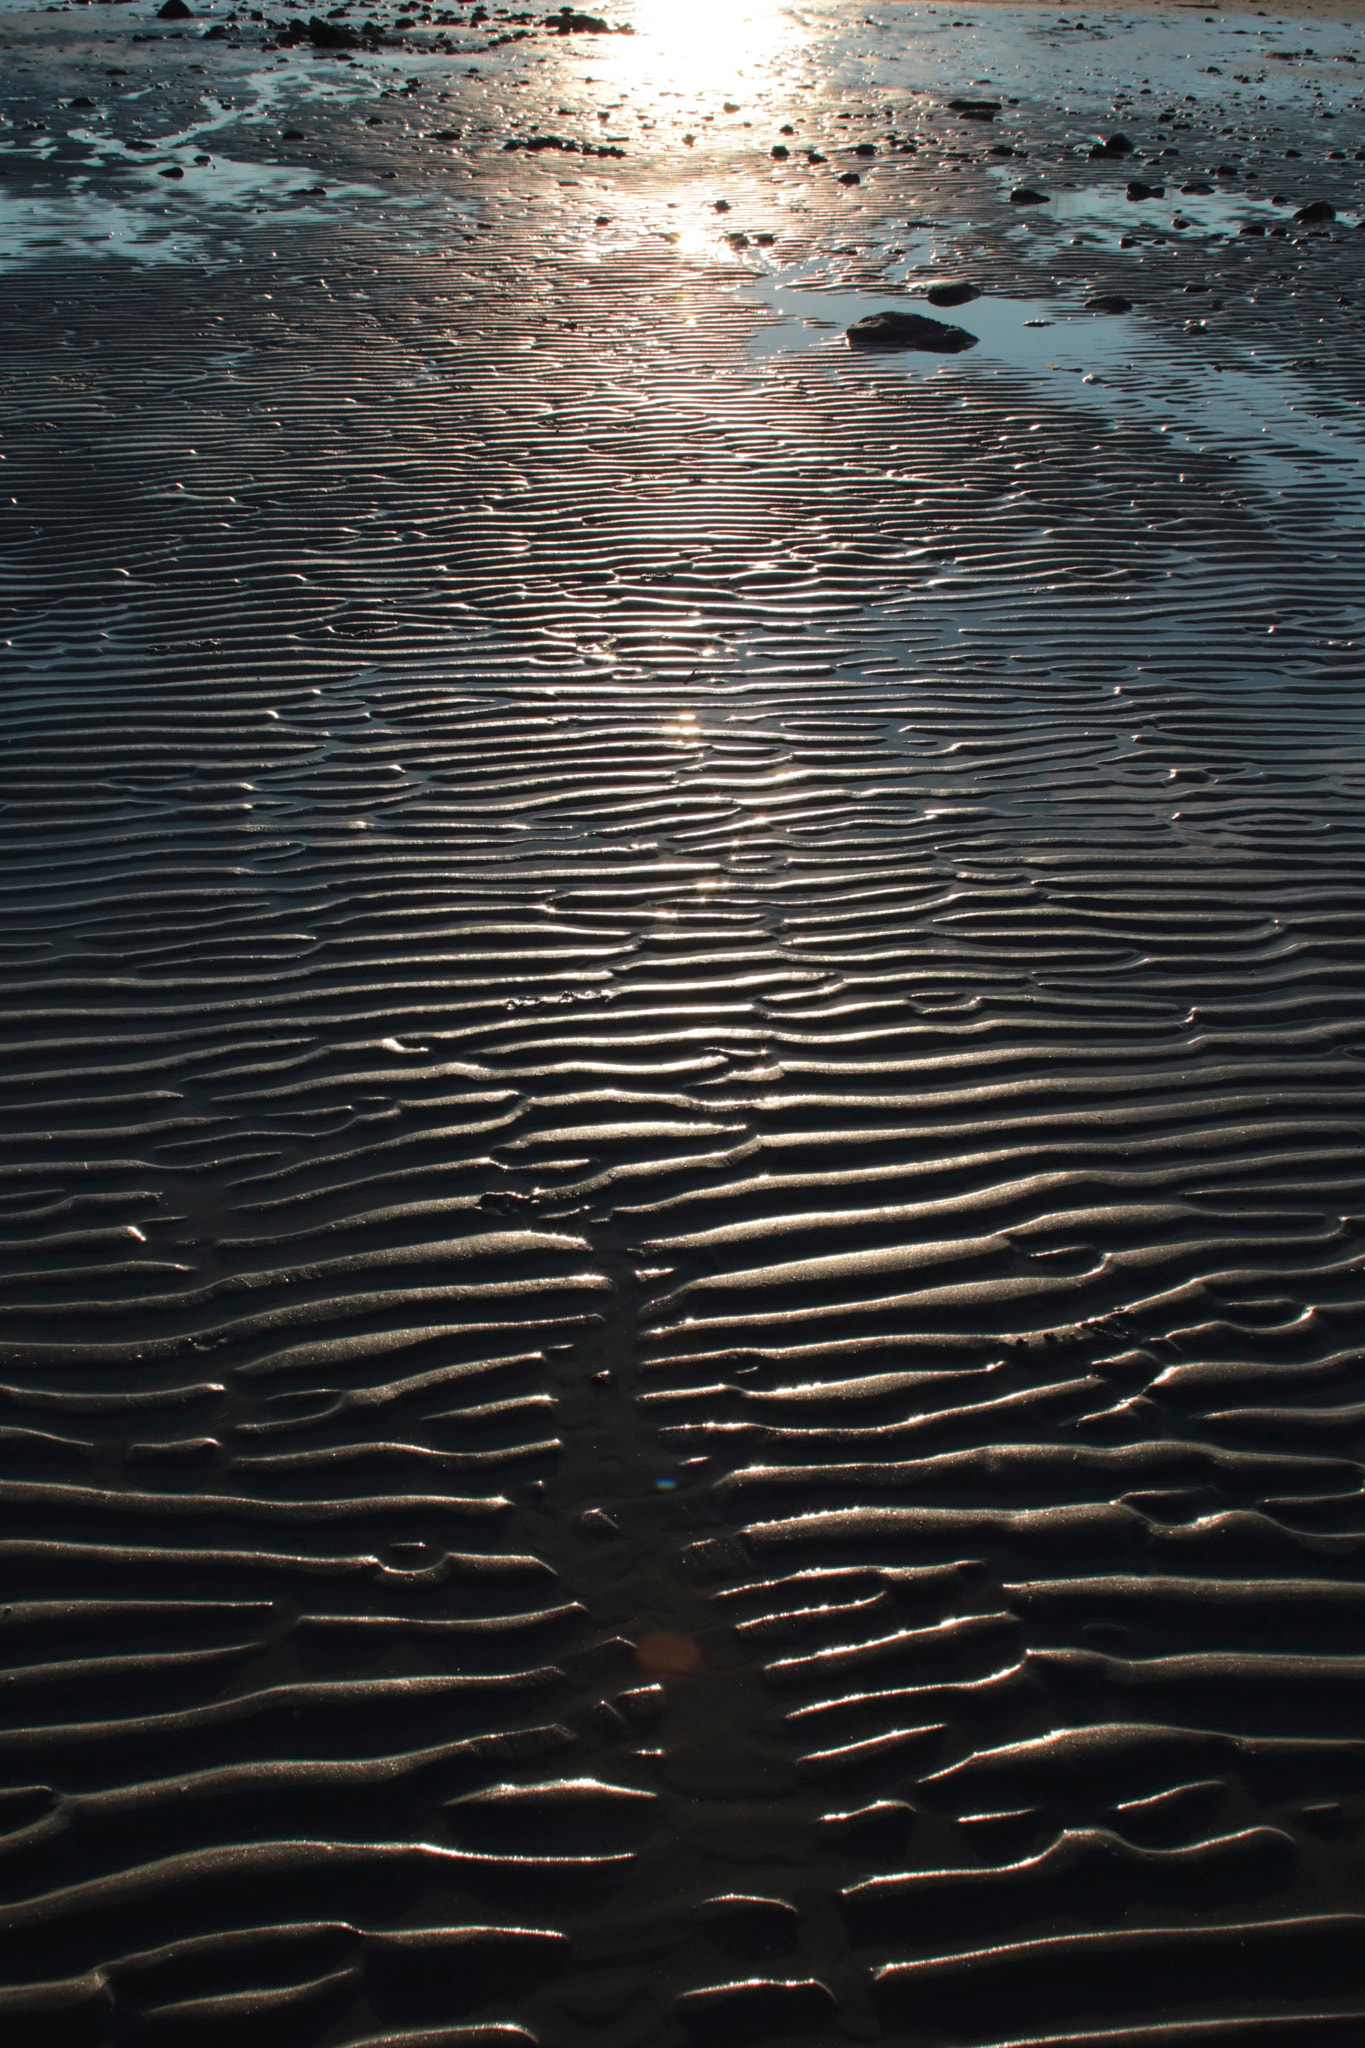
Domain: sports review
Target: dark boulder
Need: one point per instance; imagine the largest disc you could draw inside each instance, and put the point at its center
(952, 294)
(1109, 302)
(331, 35)
(569, 22)
(893, 329)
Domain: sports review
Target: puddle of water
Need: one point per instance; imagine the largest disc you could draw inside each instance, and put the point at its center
(1220, 212)
(1267, 418)
(182, 224)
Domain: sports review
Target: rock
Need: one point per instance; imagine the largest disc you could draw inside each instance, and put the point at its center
(1138, 190)
(83, 101)
(1024, 195)
(952, 294)
(1113, 145)
(1317, 209)
(1197, 187)
(1252, 227)
(779, 152)
(894, 329)
(974, 110)
(174, 10)
(1109, 302)
(331, 35)
(864, 149)
(568, 22)
(849, 178)
(174, 172)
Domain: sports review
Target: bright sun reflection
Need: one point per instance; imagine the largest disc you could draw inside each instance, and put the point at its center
(709, 46)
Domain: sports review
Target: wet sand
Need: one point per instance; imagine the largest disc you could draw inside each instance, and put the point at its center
(680, 1342)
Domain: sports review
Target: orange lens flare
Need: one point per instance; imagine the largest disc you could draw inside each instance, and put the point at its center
(667, 1656)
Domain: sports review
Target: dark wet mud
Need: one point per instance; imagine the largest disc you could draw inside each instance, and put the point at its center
(681, 1336)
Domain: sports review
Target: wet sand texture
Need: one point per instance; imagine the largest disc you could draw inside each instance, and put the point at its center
(681, 1319)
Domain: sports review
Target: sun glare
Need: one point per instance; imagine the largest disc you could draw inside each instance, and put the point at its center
(698, 46)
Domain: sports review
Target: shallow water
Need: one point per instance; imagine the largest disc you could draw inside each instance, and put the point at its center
(682, 1171)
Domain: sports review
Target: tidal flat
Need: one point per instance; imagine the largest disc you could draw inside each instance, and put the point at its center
(682, 1325)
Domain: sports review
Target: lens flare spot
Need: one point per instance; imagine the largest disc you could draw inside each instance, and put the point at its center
(667, 1656)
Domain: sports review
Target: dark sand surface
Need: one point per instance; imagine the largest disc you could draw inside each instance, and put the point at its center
(681, 1343)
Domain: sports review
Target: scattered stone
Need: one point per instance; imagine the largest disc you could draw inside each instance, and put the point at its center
(1113, 145)
(1109, 302)
(893, 329)
(849, 178)
(779, 152)
(535, 143)
(1317, 209)
(974, 110)
(1138, 190)
(952, 294)
(569, 22)
(1024, 195)
(174, 172)
(864, 149)
(331, 35)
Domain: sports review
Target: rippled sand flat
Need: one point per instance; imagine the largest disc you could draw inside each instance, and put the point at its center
(681, 1342)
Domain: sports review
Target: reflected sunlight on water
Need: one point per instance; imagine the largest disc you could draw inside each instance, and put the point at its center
(709, 46)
